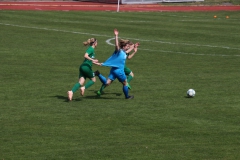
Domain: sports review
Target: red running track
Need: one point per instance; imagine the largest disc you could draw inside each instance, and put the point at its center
(90, 6)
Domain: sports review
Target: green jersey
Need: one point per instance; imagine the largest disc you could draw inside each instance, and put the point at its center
(91, 54)
(127, 70)
(126, 61)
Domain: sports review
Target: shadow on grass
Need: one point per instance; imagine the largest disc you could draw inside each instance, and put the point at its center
(188, 97)
(103, 93)
(65, 98)
(97, 97)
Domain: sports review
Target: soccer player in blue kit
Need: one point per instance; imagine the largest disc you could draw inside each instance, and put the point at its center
(117, 63)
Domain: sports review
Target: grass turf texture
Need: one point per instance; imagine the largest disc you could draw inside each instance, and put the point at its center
(40, 55)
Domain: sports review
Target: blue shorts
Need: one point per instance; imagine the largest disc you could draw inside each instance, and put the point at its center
(117, 73)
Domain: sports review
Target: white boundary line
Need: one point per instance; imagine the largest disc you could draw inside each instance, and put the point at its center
(56, 30)
(188, 44)
(108, 41)
(222, 55)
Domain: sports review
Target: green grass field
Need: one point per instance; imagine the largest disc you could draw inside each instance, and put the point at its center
(40, 52)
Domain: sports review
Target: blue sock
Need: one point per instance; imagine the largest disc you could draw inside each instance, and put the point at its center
(102, 79)
(125, 91)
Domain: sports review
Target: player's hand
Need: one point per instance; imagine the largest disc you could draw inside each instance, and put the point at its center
(135, 49)
(115, 32)
(136, 45)
(95, 61)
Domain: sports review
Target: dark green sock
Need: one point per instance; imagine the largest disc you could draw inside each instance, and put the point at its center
(102, 88)
(76, 87)
(129, 78)
(89, 84)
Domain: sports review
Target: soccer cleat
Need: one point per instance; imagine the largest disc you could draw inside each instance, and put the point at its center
(96, 73)
(70, 95)
(99, 93)
(130, 97)
(129, 87)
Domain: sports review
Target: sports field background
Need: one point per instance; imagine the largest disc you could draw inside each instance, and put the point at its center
(207, 2)
(40, 54)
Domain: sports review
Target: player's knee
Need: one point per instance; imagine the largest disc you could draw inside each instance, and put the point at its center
(124, 83)
(132, 74)
(108, 82)
(93, 79)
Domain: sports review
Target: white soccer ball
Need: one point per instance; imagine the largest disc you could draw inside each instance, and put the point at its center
(191, 93)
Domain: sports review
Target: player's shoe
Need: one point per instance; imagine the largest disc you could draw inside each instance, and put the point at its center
(70, 95)
(129, 87)
(130, 97)
(96, 73)
(99, 93)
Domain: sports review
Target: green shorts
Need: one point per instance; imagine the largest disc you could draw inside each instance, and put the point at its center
(127, 70)
(85, 71)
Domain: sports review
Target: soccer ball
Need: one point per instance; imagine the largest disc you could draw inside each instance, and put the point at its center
(191, 93)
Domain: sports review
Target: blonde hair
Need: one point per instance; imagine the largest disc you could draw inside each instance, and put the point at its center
(123, 43)
(90, 41)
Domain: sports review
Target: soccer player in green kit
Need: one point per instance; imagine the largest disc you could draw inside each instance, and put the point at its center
(127, 70)
(85, 69)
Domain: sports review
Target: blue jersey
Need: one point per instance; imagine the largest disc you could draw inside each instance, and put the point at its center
(117, 59)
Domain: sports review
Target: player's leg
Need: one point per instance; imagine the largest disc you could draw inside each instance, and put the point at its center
(103, 80)
(89, 74)
(99, 92)
(123, 79)
(125, 90)
(129, 75)
(101, 77)
(77, 85)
